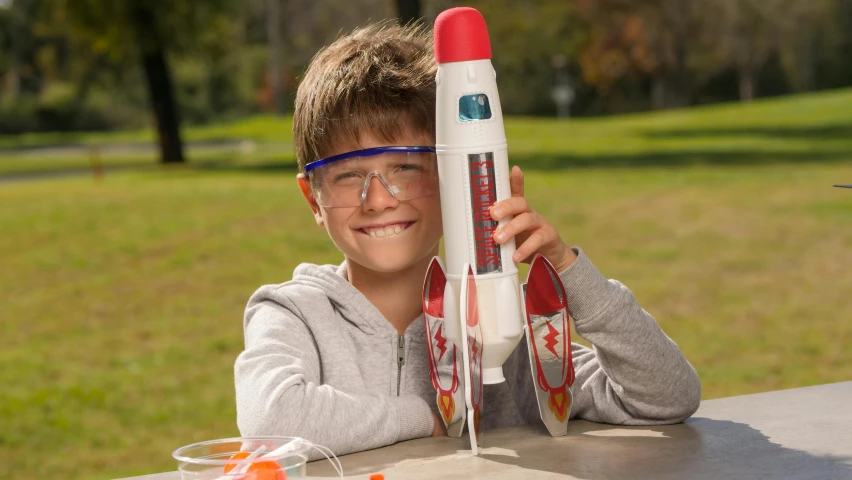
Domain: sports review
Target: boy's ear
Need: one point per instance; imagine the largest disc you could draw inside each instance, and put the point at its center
(305, 187)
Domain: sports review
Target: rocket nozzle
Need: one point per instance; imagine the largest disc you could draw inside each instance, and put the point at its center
(461, 35)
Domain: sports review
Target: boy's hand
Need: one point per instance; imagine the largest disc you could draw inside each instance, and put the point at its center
(439, 430)
(532, 232)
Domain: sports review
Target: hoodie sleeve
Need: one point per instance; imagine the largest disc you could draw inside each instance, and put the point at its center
(279, 391)
(635, 374)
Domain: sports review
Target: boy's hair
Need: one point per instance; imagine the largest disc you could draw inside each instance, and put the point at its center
(378, 80)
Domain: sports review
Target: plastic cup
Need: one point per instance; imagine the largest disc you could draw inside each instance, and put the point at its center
(207, 460)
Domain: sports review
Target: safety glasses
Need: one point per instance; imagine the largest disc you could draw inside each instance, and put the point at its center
(342, 180)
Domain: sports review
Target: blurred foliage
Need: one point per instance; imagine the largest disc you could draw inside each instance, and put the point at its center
(72, 65)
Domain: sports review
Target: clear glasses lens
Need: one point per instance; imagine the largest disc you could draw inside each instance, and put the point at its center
(405, 175)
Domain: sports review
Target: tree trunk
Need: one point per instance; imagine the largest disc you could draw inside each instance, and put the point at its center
(13, 80)
(162, 100)
(805, 55)
(160, 89)
(273, 30)
(84, 85)
(408, 10)
(658, 92)
(746, 84)
(680, 91)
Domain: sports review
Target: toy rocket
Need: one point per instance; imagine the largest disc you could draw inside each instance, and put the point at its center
(475, 310)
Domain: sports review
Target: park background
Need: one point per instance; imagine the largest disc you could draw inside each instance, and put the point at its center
(147, 189)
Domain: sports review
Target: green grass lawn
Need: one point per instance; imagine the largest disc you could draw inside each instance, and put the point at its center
(123, 298)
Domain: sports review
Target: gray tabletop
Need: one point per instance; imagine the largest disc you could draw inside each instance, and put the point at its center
(804, 433)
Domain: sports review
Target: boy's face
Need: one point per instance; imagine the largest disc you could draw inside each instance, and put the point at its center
(383, 234)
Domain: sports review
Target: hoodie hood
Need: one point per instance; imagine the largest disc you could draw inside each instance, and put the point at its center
(331, 282)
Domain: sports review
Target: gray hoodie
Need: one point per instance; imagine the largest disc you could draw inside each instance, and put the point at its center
(322, 363)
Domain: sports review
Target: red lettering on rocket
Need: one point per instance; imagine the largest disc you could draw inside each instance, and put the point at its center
(483, 194)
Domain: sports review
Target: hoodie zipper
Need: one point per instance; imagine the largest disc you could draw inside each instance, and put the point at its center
(400, 361)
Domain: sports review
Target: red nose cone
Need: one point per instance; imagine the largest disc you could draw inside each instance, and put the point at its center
(461, 35)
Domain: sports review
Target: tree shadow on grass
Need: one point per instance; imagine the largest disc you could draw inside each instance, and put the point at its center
(841, 131)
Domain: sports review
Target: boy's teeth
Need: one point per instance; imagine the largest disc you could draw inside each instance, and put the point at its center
(386, 231)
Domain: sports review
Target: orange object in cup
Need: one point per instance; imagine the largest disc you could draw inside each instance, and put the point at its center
(265, 470)
(237, 456)
(258, 470)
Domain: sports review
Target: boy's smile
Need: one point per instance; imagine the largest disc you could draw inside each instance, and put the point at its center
(385, 229)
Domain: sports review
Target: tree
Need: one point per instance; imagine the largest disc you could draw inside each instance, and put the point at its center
(273, 26)
(621, 49)
(629, 41)
(747, 33)
(525, 39)
(18, 40)
(152, 47)
(408, 10)
(147, 31)
(668, 30)
(804, 27)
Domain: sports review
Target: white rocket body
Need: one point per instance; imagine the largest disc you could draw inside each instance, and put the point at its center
(475, 312)
(474, 173)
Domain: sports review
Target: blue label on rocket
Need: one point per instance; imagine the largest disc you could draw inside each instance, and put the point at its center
(483, 194)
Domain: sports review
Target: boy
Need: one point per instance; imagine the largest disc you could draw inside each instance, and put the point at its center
(338, 355)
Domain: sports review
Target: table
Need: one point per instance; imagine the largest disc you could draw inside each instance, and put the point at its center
(803, 433)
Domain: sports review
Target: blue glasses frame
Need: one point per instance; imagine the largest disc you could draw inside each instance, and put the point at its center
(366, 152)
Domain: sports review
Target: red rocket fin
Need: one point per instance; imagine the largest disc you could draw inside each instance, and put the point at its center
(444, 359)
(472, 348)
(549, 343)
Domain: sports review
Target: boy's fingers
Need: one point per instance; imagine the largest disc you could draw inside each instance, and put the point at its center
(530, 246)
(520, 223)
(511, 206)
(516, 182)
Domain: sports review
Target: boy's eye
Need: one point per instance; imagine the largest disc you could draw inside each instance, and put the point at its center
(409, 167)
(346, 177)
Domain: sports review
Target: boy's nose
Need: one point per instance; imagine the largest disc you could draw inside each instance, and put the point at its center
(378, 197)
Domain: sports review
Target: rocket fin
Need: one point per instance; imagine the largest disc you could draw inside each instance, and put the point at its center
(549, 344)
(472, 354)
(445, 363)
